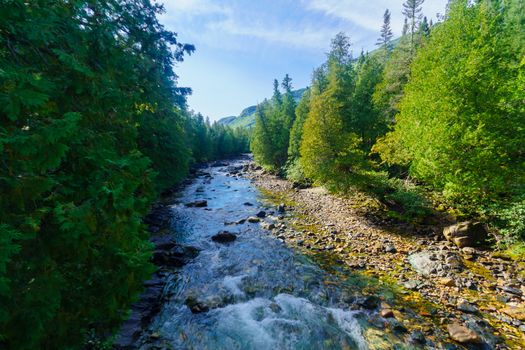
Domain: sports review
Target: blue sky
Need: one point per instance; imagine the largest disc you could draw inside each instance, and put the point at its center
(242, 45)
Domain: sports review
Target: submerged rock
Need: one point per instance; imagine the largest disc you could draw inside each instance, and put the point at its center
(253, 219)
(466, 234)
(197, 204)
(261, 214)
(224, 237)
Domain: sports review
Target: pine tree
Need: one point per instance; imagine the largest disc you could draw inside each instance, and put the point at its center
(424, 27)
(412, 11)
(385, 40)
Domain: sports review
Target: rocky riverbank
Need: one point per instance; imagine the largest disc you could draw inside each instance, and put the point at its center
(473, 296)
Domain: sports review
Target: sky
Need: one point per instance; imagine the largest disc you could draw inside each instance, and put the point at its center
(243, 45)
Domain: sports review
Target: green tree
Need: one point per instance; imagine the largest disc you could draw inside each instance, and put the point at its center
(461, 125)
(385, 40)
(328, 149)
(92, 127)
(412, 11)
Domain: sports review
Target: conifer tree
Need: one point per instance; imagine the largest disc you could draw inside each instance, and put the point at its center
(385, 40)
(328, 149)
(412, 11)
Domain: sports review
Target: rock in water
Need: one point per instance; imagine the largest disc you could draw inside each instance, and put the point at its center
(224, 237)
(253, 219)
(261, 214)
(466, 234)
(281, 208)
(198, 204)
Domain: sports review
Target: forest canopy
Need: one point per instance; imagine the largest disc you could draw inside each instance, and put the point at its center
(437, 114)
(93, 127)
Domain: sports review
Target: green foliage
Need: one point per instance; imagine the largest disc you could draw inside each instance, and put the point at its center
(450, 128)
(92, 127)
(273, 121)
(296, 134)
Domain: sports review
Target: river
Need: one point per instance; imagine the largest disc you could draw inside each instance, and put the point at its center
(254, 292)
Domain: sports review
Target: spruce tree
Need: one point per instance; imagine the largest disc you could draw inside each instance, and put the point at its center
(328, 149)
(412, 11)
(385, 40)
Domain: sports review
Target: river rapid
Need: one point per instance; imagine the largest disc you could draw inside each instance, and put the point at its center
(255, 292)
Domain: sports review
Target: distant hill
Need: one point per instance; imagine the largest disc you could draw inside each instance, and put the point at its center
(247, 117)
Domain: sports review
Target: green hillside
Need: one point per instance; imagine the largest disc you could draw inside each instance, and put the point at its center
(247, 117)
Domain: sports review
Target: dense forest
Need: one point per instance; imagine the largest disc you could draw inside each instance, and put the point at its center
(433, 120)
(93, 127)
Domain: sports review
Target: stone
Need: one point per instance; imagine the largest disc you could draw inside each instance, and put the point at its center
(248, 204)
(268, 225)
(387, 313)
(281, 208)
(370, 302)
(467, 307)
(516, 312)
(253, 219)
(417, 337)
(411, 285)
(424, 263)
(224, 237)
(198, 204)
(398, 326)
(511, 290)
(462, 334)
(446, 281)
(261, 214)
(195, 306)
(390, 248)
(466, 234)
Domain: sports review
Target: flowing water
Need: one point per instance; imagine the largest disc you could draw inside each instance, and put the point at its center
(258, 293)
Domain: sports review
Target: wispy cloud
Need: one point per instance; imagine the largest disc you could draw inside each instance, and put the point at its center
(302, 37)
(358, 12)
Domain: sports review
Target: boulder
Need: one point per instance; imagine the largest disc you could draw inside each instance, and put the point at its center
(224, 237)
(466, 234)
(253, 219)
(281, 208)
(462, 334)
(197, 204)
(424, 263)
(261, 214)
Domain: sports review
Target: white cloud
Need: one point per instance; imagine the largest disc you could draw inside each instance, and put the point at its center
(368, 14)
(307, 37)
(357, 12)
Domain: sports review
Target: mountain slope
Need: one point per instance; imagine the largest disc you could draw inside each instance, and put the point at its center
(247, 117)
